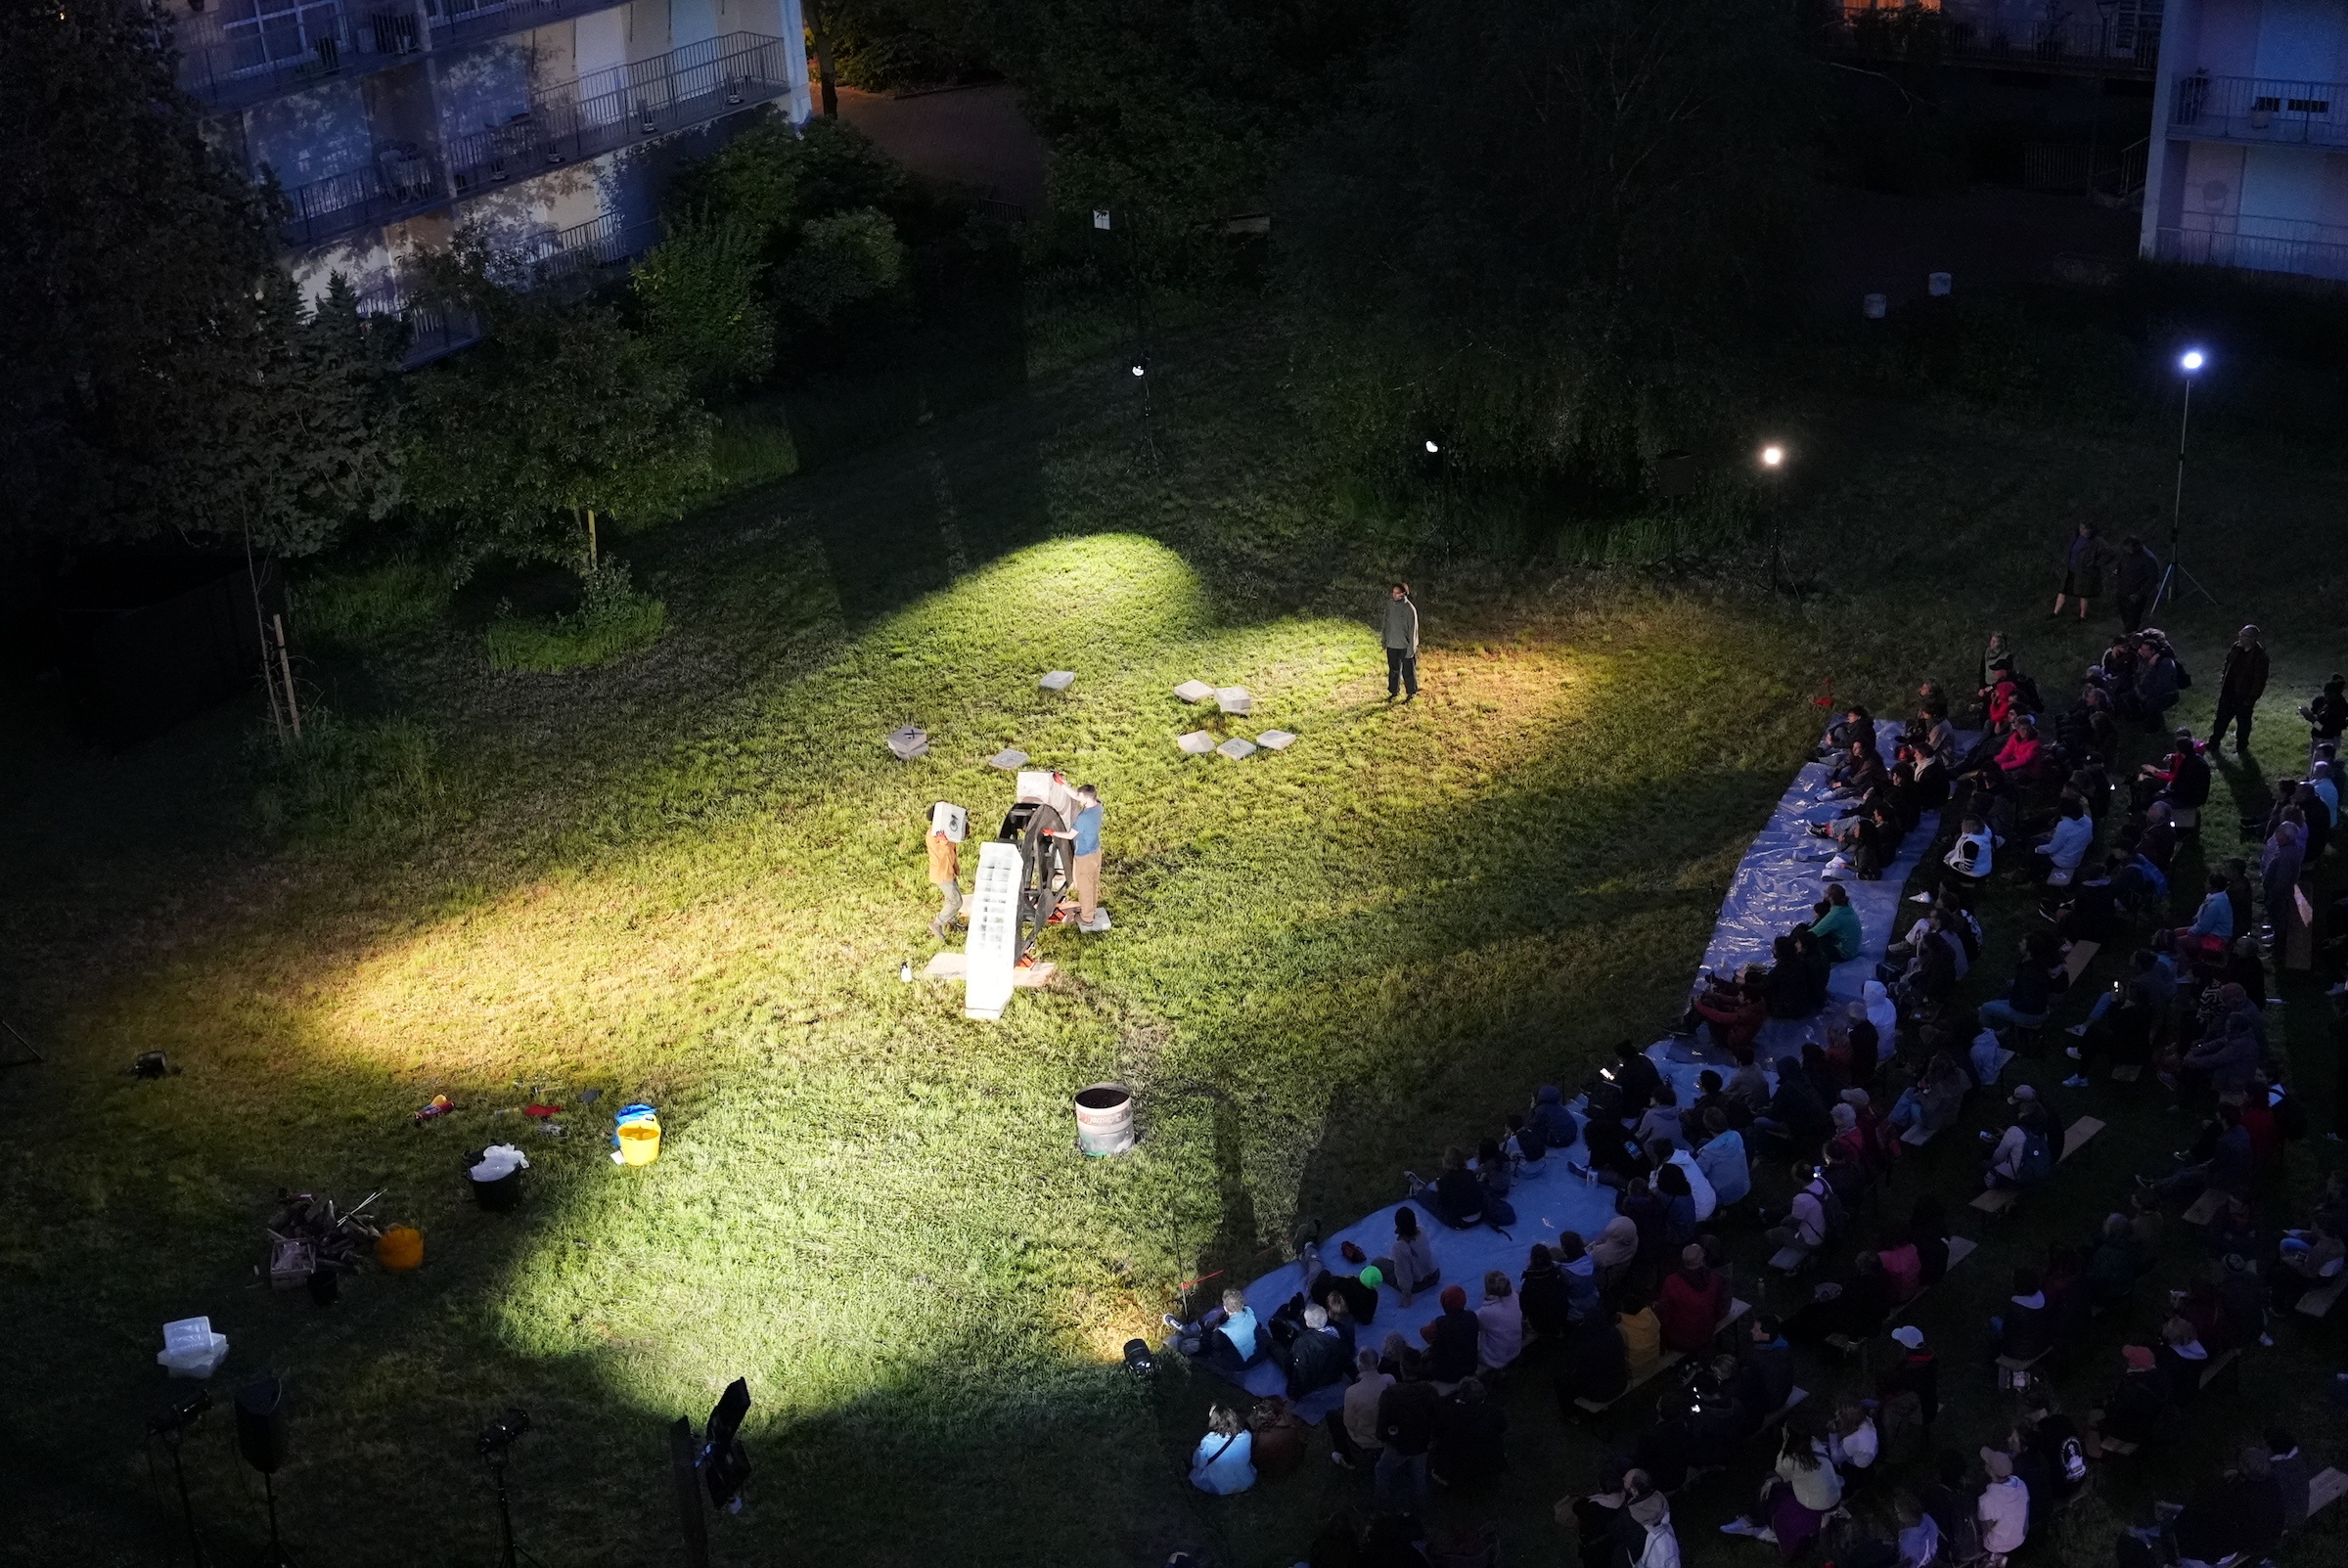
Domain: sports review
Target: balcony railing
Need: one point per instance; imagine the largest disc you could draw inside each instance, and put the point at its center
(567, 259)
(2257, 252)
(2261, 109)
(565, 124)
(2048, 37)
(611, 109)
(231, 65)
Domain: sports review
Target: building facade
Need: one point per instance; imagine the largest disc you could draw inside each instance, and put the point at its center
(547, 126)
(2248, 165)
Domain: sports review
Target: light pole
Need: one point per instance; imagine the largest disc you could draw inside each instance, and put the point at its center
(1773, 464)
(2188, 365)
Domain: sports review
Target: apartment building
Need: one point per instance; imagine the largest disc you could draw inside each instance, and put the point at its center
(2249, 160)
(546, 125)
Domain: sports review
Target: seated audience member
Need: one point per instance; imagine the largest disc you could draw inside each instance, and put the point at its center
(1224, 1337)
(1677, 1200)
(2223, 1161)
(2184, 1358)
(2291, 1471)
(2018, 758)
(1838, 930)
(1721, 1160)
(1790, 989)
(1903, 1268)
(2180, 779)
(1692, 1302)
(1974, 856)
(1642, 1335)
(1854, 1306)
(1278, 1435)
(1917, 1372)
(1541, 1297)
(1603, 1527)
(1765, 1376)
(2038, 979)
(1467, 1451)
(1851, 1440)
(1934, 1100)
(2308, 1259)
(2024, 1155)
(1224, 1460)
(1451, 1342)
(1734, 1010)
(1411, 1266)
(2004, 1509)
(2235, 1514)
(1795, 1500)
(1316, 1357)
(2215, 917)
(1456, 1197)
(1614, 1252)
(2067, 845)
(1920, 1544)
(1583, 1286)
(1501, 1335)
(1523, 1148)
(1551, 1120)
(1635, 1076)
(2019, 1328)
(2115, 1264)
(1806, 1223)
(2136, 1406)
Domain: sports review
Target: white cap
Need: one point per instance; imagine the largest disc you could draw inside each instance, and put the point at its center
(1910, 1335)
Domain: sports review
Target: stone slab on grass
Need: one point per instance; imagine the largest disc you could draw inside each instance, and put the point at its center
(1275, 739)
(1233, 698)
(1010, 759)
(1194, 690)
(1198, 742)
(1235, 749)
(909, 743)
(1058, 680)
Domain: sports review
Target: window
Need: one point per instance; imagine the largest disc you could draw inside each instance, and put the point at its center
(263, 34)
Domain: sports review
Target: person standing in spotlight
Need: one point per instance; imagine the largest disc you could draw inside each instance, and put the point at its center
(945, 875)
(2240, 686)
(1400, 634)
(1086, 832)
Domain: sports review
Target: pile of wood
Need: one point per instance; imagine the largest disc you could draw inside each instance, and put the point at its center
(309, 1234)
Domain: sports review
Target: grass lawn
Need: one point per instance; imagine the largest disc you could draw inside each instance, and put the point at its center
(690, 875)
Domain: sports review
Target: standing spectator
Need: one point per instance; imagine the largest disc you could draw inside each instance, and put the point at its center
(1466, 1446)
(1406, 1427)
(2136, 576)
(2005, 1505)
(1401, 638)
(1353, 1440)
(945, 875)
(2326, 713)
(2082, 571)
(2240, 687)
(1659, 1544)
(1224, 1461)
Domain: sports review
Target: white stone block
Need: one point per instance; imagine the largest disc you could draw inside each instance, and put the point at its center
(1010, 759)
(1058, 680)
(1232, 699)
(1275, 739)
(1194, 690)
(909, 743)
(1235, 749)
(1198, 742)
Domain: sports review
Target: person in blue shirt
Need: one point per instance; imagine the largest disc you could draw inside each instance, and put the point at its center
(1224, 1461)
(1086, 830)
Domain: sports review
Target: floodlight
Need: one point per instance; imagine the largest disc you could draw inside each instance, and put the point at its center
(1139, 369)
(2191, 361)
(1771, 456)
(1431, 447)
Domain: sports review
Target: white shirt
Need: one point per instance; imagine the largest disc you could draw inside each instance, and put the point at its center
(1699, 1183)
(2005, 1514)
(1500, 1331)
(1857, 1450)
(1663, 1546)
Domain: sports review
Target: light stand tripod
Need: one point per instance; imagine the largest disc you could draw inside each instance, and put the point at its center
(276, 1557)
(495, 1439)
(172, 1427)
(2166, 593)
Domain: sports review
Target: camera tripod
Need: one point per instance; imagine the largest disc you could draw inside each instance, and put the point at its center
(508, 1556)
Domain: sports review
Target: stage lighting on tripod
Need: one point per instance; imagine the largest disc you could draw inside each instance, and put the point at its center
(725, 1465)
(172, 1426)
(261, 1439)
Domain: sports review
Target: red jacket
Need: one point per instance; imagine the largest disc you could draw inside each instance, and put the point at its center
(1691, 1310)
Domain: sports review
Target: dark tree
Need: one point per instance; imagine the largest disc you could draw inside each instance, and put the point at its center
(1541, 238)
(161, 374)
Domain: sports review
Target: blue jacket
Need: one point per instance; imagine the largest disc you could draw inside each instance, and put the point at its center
(1553, 1121)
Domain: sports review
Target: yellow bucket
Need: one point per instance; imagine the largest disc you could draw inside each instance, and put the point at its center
(640, 1142)
(399, 1248)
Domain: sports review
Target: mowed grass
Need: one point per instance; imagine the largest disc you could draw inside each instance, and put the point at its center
(867, 1205)
(693, 875)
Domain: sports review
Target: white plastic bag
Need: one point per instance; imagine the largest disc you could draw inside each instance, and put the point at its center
(500, 1160)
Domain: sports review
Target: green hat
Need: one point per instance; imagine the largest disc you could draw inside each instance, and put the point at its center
(1370, 1276)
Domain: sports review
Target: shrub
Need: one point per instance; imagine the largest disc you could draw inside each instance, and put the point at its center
(612, 618)
(703, 302)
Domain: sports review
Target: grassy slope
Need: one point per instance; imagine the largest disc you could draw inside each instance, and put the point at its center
(692, 876)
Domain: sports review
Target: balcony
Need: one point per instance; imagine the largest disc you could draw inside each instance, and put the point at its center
(568, 258)
(2122, 40)
(2261, 109)
(564, 125)
(2306, 250)
(231, 61)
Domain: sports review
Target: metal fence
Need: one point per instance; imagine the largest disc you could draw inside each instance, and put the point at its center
(2256, 252)
(572, 258)
(2262, 109)
(568, 124)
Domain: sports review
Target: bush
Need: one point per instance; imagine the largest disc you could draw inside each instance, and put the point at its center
(842, 261)
(752, 447)
(613, 619)
(360, 608)
(705, 305)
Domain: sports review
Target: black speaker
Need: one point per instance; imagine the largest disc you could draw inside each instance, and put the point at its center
(261, 1424)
